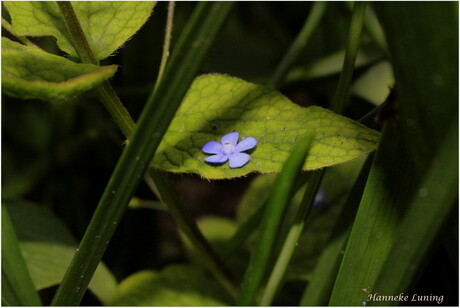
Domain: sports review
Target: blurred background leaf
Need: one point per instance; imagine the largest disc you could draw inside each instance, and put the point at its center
(177, 285)
(48, 247)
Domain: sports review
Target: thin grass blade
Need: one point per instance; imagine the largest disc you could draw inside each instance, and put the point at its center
(17, 286)
(319, 288)
(292, 237)
(271, 222)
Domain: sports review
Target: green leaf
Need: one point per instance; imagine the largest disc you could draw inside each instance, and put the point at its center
(48, 246)
(106, 24)
(31, 73)
(217, 105)
(217, 230)
(329, 65)
(177, 285)
(375, 84)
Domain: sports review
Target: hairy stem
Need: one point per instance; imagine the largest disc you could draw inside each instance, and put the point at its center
(167, 43)
(76, 32)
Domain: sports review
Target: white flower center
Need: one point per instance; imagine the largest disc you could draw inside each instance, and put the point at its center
(228, 148)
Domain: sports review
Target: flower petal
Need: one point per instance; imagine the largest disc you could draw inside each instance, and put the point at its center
(212, 147)
(219, 158)
(246, 144)
(238, 160)
(232, 137)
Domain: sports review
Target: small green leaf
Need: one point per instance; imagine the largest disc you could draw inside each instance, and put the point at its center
(106, 24)
(177, 285)
(48, 246)
(329, 65)
(375, 84)
(29, 72)
(217, 105)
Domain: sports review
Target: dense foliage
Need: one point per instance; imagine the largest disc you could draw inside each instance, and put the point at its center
(220, 153)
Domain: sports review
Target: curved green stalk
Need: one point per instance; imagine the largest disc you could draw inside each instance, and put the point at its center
(351, 51)
(299, 44)
(167, 43)
(271, 221)
(116, 109)
(160, 108)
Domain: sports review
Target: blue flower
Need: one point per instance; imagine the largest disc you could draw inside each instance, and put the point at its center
(321, 199)
(229, 149)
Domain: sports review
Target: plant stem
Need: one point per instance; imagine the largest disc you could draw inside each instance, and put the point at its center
(115, 107)
(167, 43)
(351, 51)
(299, 44)
(76, 32)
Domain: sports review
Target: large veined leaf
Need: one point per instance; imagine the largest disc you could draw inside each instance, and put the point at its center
(106, 24)
(29, 72)
(217, 105)
(48, 247)
(178, 285)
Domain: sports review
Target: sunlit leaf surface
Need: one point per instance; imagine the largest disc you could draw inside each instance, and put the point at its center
(217, 105)
(106, 24)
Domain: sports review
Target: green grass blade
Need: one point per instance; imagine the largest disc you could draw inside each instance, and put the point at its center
(351, 51)
(271, 222)
(320, 286)
(17, 286)
(313, 19)
(292, 238)
(154, 120)
(385, 196)
(249, 225)
(421, 226)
